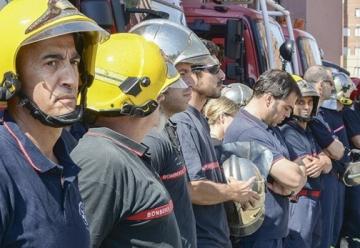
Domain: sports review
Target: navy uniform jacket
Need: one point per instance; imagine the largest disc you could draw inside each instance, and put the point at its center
(201, 161)
(168, 162)
(246, 127)
(36, 210)
(300, 143)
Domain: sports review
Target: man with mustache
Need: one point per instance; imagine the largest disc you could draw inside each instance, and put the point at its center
(46, 60)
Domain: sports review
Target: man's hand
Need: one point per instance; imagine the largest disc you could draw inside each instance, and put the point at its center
(314, 166)
(241, 192)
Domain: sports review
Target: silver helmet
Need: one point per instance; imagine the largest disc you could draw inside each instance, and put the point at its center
(351, 176)
(344, 86)
(242, 161)
(238, 93)
(178, 42)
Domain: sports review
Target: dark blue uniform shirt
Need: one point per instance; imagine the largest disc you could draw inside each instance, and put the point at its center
(168, 162)
(201, 161)
(300, 142)
(351, 119)
(246, 127)
(36, 210)
(335, 120)
(321, 131)
(352, 203)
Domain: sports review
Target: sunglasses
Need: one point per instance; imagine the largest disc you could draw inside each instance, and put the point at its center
(213, 69)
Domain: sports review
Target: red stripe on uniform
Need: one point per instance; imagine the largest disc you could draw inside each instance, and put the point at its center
(174, 175)
(154, 213)
(22, 148)
(210, 166)
(338, 129)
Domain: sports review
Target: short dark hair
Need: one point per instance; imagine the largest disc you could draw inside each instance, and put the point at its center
(278, 83)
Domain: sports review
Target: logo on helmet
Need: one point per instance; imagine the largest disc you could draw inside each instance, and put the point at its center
(56, 9)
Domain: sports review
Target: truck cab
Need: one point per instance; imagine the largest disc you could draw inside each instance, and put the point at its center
(308, 52)
(211, 21)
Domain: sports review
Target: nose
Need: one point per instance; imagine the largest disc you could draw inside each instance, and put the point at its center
(70, 76)
(221, 75)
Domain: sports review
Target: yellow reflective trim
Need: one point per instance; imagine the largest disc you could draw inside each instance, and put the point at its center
(109, 77)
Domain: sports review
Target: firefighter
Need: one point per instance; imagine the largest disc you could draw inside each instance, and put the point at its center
(331, 111)
(47, 59)
(305, 210)
(167, 159)
(126, 203)
(328, 130)
(351, 117)
(274, 95)
(193, 132)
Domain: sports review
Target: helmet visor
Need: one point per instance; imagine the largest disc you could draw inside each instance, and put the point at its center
(98, 34)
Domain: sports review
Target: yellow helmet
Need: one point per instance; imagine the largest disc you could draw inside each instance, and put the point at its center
(131, 72)
(306, 89)
(25, 24)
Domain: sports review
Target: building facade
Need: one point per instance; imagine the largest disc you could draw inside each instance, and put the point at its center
(351, 34)
(324, 20)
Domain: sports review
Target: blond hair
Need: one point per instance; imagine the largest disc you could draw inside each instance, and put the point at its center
(214, 108)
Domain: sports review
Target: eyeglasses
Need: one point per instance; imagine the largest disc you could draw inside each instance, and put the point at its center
(213, 69)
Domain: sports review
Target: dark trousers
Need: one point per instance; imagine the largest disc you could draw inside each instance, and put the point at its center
(304, 223)
(328, 199)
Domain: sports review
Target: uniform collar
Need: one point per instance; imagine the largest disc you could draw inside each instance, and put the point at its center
(296, 126)
(120, 140)
(255, 119)
(33, 155)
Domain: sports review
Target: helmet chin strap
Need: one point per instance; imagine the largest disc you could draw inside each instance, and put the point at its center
(55, 121)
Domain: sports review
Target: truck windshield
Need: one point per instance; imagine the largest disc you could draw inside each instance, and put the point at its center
(277, 38)
(309, 52)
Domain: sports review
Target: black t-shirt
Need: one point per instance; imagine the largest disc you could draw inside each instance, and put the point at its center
(168, 162)
(126, 205)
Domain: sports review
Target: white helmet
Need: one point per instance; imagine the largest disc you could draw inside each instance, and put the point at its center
(178, 42)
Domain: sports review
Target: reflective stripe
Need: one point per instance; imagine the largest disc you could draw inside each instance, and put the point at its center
(210, 166)
(22, 148)
(338, 129)
(154, 213)
(174, 175)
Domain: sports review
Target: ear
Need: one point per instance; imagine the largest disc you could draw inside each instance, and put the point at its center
(268, 99)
